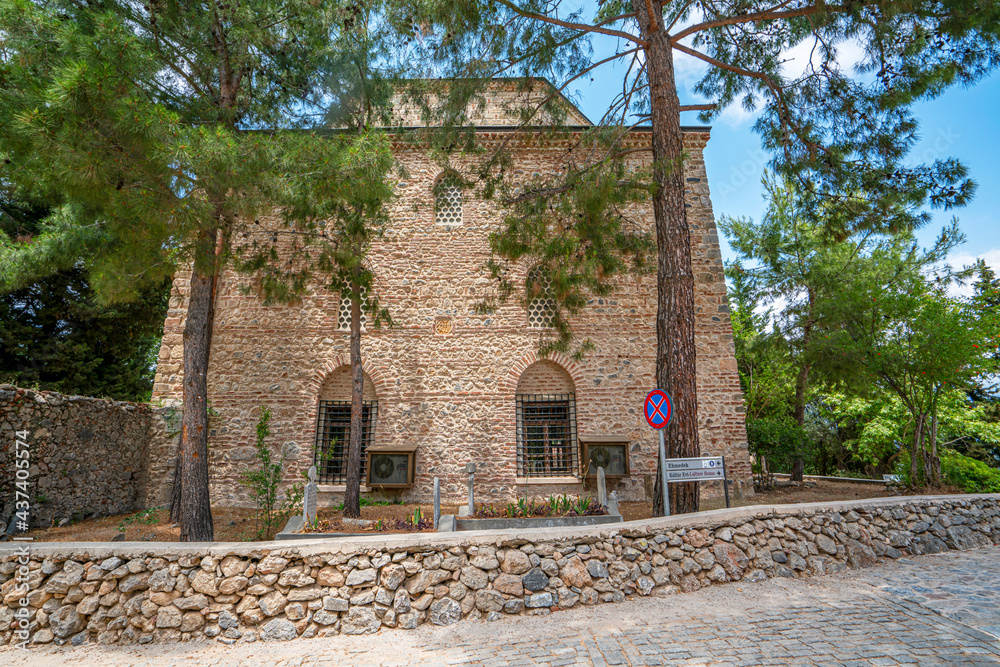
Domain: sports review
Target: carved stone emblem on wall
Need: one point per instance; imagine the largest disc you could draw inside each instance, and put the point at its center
(442, 326)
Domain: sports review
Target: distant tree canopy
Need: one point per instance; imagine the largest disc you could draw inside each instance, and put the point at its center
(55, 335)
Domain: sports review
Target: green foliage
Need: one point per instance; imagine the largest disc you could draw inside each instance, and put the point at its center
(774, 444)
(262, 482)
(970, 475)
(145, 517)
(370, 502)
(54, 335)
(762, 357)
(571, 230)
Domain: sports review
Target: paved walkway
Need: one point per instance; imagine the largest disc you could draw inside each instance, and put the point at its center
(929, 610)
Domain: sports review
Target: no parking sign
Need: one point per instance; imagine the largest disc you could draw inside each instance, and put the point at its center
(659, 409)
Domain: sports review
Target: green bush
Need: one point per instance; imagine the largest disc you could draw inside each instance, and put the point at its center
(262, 481)
(971, 475)
(776, 441)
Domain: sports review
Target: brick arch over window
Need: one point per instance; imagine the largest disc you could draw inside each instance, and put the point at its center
(563, 362)
(315, 383)
(337, 386)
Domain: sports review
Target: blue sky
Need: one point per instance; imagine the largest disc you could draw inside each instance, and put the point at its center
(958, 124)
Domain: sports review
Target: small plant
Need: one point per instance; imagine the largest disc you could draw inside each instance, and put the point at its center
(565, 504)
(145, 517)
(262, 482)
(418, 516)
(582, 505)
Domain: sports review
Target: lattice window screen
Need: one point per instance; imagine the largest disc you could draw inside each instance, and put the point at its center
(448, 201)
(541, 305)
(344, 318)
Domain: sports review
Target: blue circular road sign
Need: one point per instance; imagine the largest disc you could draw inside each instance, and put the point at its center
(659, 409)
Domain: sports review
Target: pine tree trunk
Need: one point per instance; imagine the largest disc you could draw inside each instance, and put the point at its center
(352, 495)
(675, 348)
(175, 492)
(195, 503)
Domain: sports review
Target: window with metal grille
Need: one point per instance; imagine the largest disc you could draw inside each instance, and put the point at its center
(448, 201)
(333, 437)
(541, 305)
(546, 435)
(344, 318)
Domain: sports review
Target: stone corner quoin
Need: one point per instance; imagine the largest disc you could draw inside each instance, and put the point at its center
(126, 593)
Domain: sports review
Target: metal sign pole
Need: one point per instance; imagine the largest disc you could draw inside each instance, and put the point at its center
(663, 476)
(725, 481)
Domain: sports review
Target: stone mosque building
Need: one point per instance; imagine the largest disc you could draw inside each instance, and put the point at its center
(446, 386)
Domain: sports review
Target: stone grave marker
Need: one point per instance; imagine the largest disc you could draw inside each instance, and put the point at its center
(437, 502)
(309, 499)
(471, 469)
(602, 488)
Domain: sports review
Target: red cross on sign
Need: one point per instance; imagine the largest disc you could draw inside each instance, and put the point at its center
(659, 409)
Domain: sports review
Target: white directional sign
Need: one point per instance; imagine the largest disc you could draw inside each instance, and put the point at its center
(695, 470)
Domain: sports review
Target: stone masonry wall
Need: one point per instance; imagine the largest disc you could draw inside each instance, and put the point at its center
(88, 456)
(446, 377)
(138, 592)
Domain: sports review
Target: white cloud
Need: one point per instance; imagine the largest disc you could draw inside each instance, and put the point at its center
(962, 258)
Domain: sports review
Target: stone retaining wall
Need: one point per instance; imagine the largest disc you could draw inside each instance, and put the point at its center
(139, 592)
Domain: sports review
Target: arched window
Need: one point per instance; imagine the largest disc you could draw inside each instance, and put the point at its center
(448, 200)
(333, 427)
(344, 316)
(541, 304)
(546, 422)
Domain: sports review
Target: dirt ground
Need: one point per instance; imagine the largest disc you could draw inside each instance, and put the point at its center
(237, 524)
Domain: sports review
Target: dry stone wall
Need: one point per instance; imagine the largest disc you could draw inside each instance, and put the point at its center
(88, 456)
(128, 593)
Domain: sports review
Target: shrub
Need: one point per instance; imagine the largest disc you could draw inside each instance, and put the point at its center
(774, 444)
(262, 481)
(969, 474)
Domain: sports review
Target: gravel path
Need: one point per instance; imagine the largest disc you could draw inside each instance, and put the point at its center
(942, 609)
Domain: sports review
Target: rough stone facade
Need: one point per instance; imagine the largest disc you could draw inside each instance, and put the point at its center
(136, 592)
(445, 377)
(88, 456)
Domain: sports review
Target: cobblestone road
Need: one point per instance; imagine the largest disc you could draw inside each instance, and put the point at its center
(928, 610)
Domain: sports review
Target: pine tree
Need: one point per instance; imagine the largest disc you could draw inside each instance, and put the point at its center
(159, 134)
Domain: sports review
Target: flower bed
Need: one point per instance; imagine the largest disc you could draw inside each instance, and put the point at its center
(555, 506)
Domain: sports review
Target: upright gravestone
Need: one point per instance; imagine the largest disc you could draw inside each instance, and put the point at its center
(309, 499)
(602, 488)
(437, 502)
(471, 469)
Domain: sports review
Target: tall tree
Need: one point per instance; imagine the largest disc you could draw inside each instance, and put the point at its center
(155, 132)
(906, 336)
(833, 127)
(54, 334)
(796, 267)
